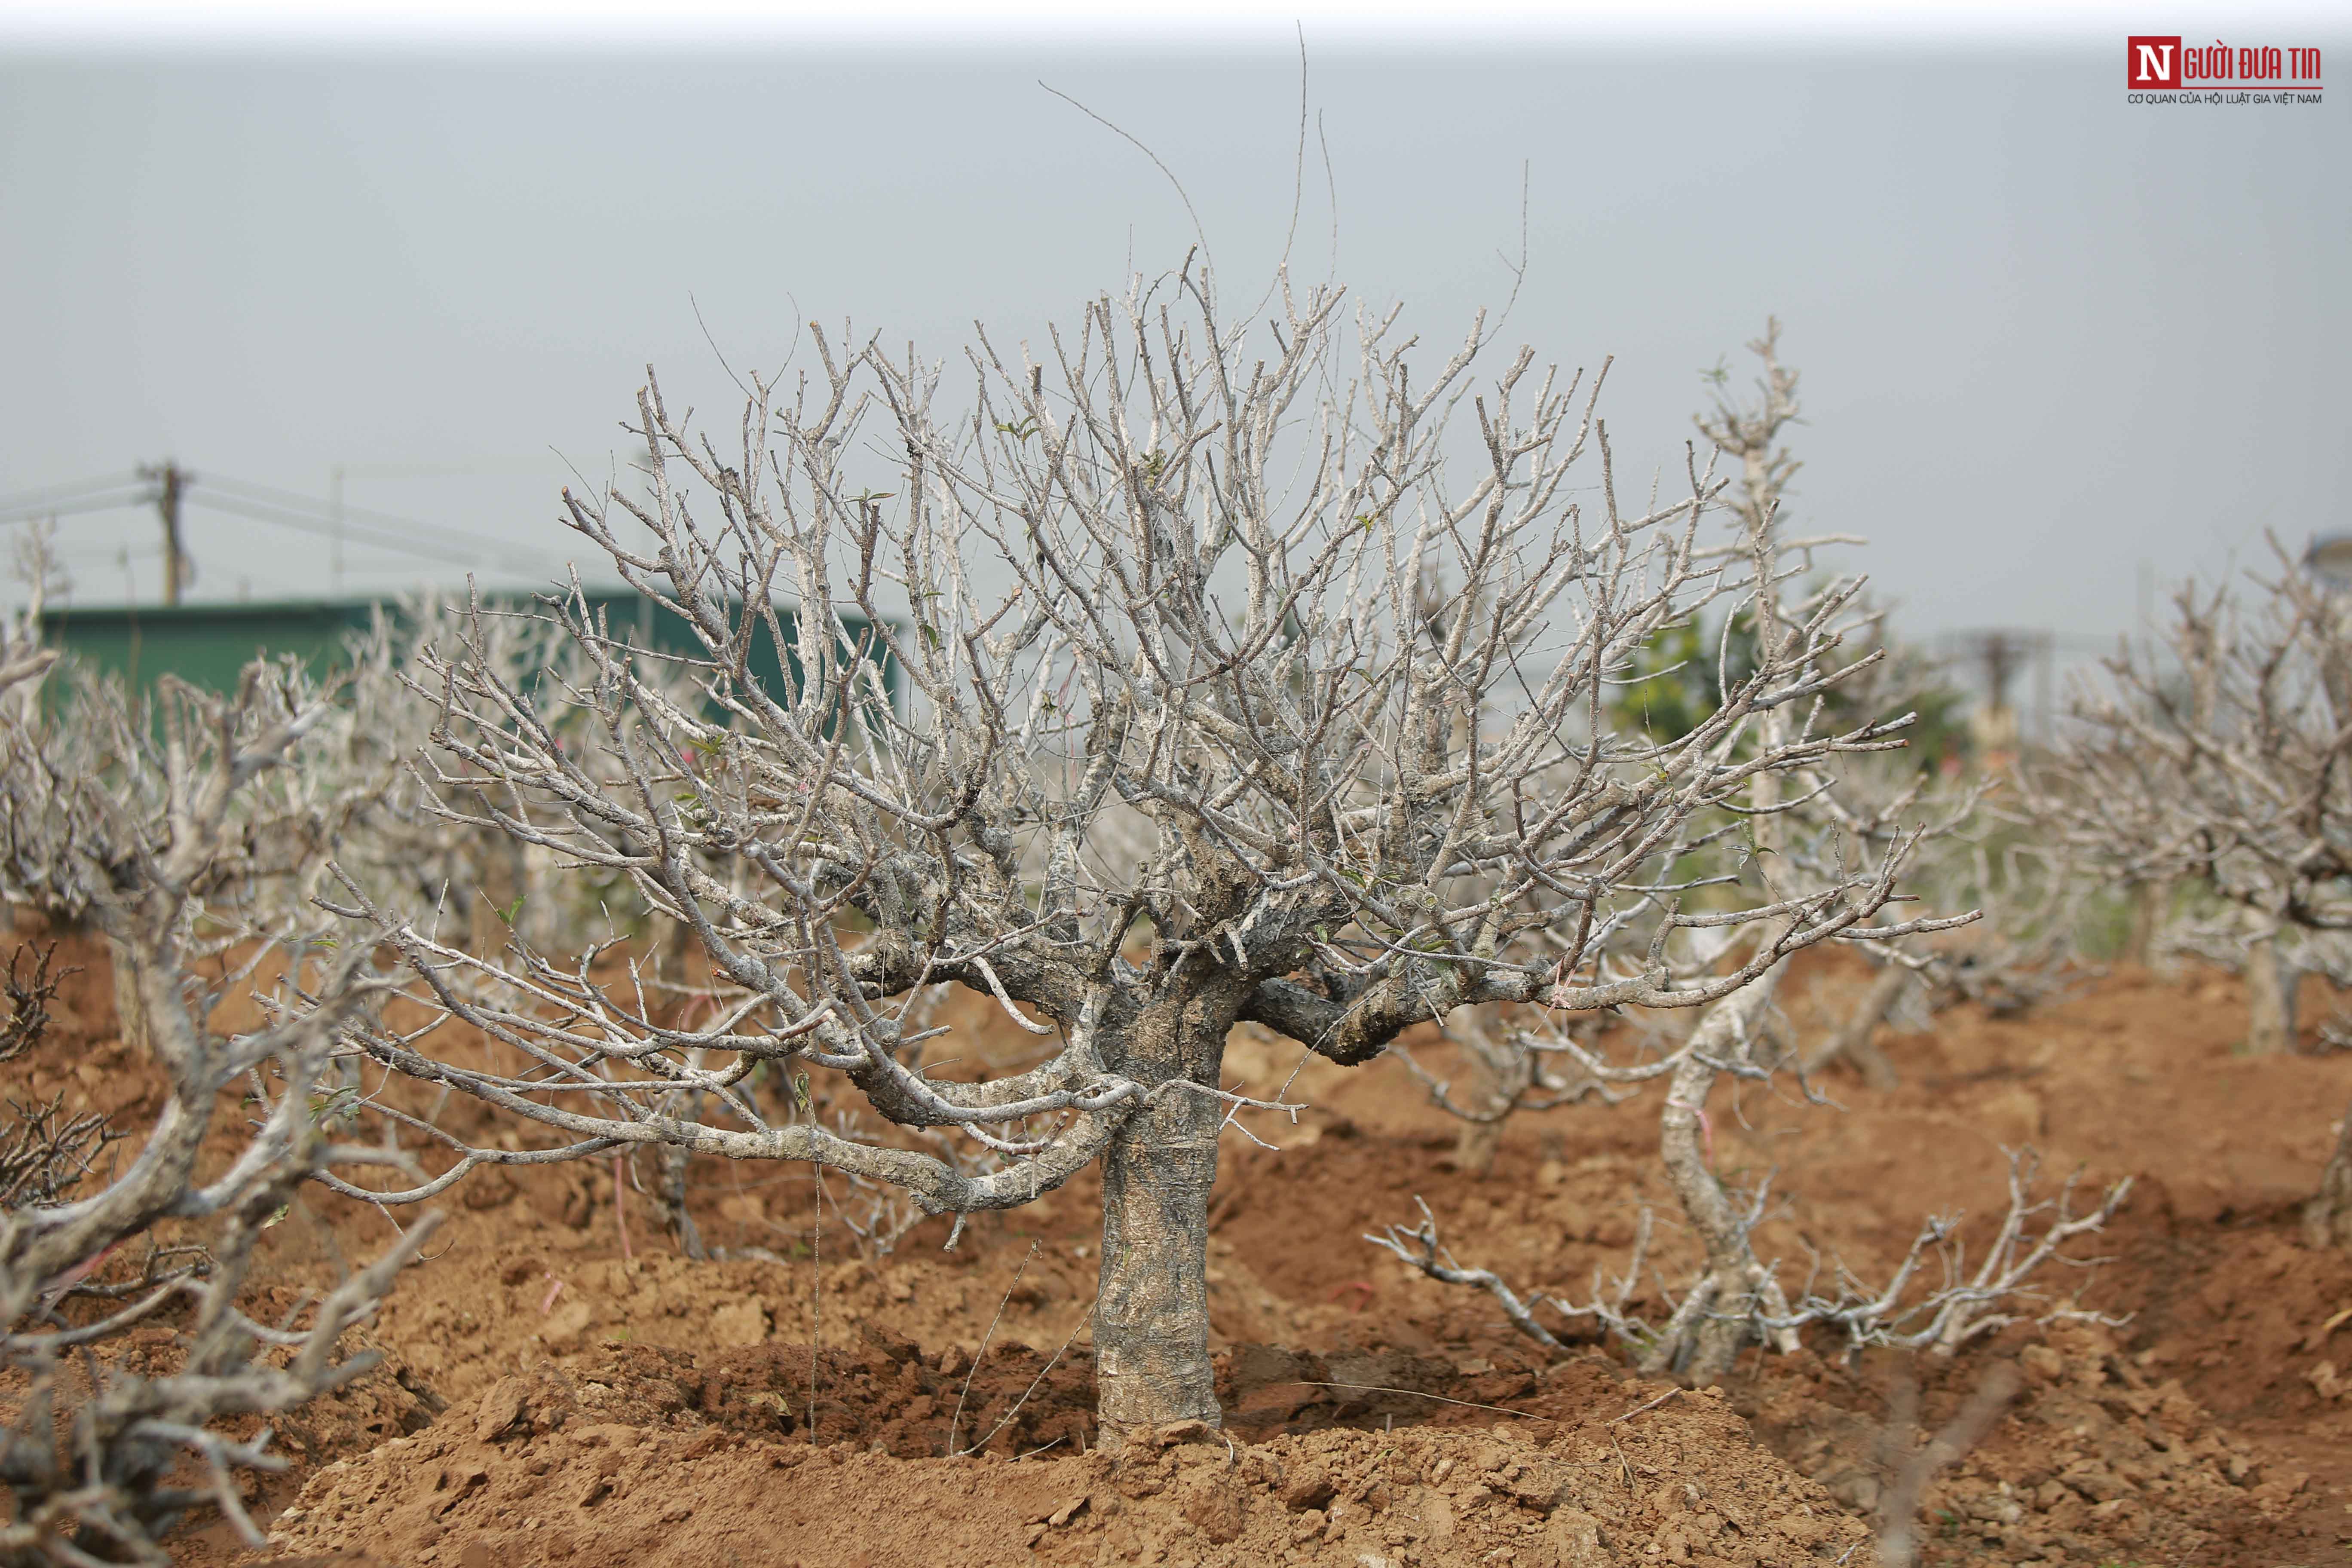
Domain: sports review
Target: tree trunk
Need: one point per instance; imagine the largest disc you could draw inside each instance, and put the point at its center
(2270, 997)
(2149, 901)
(130, 1007)
(1152, 1315)
(1717, 1318)
(674, 1162)
(1475, 1146)
(1855, 1042)
(2327, 1217)
(1498, 1076)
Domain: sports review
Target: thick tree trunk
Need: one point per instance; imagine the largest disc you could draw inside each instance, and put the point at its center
(2327, 1217)
(1151, 1320)
(130, 1007)
(1475, 1146)
(1152, 1315)
(2270, 997)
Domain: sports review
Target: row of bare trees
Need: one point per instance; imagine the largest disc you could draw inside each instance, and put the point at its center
(192, 832)
(1793, 833)
(2217, 756)
(2205, 771)
(168, 829)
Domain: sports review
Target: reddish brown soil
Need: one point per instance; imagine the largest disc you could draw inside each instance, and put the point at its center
(546, 1399)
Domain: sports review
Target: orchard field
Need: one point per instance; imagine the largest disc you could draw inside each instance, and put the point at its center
(1223, 953)
(546, 1398)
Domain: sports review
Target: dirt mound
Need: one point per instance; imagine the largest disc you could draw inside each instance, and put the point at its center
(2250, 1318)
(1681, 1483)
(887, 1397)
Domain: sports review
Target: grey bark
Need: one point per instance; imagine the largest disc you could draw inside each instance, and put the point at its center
(1475, 1146)
(129, 1007)
(2149, 901)
(1151, 1314)
(1715, 1319)
(2327, 1217)
(675, 1165)
(2270, 995)
(1151, 1319)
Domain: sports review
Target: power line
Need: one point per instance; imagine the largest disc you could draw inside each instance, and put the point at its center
(61, 493)
(100, 553)
(15, 511)
(266, 503)
(326, 510)
(209, 496)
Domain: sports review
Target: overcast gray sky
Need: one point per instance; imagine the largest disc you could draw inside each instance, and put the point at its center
(2046, 335)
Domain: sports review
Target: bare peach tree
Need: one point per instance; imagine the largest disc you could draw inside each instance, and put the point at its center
(2328, 1216)
(479, 880)
(1802, 833)
(144, 822)
(2219, 752)
(1158, 577)
(2223, 754)
(1800, 830)
(1517, 1059)
(1737, 1295)
(1935, 1299)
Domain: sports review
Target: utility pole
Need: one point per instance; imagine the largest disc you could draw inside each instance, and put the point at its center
(171, 480)
(335, 551)
(2002, 653)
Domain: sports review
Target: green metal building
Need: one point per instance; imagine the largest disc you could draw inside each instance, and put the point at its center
(207, 644)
